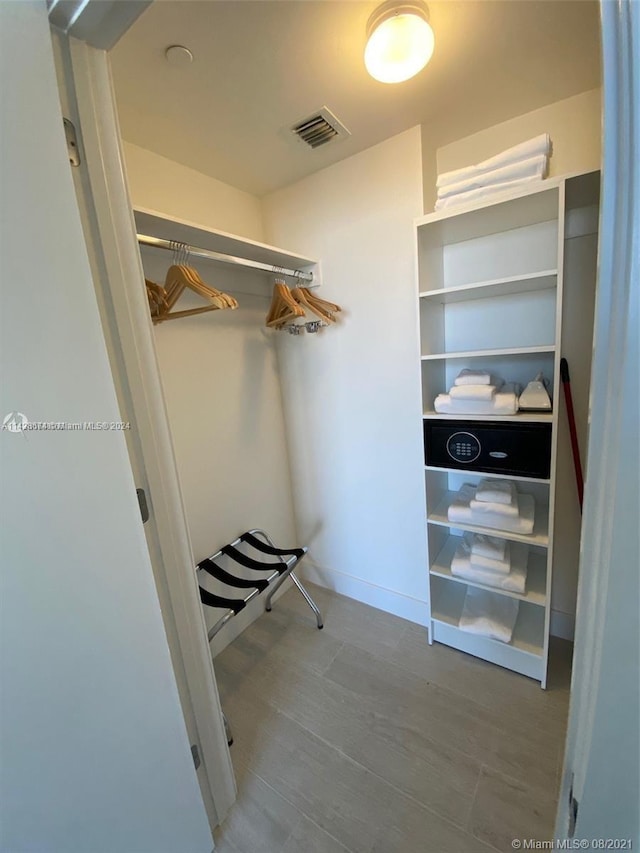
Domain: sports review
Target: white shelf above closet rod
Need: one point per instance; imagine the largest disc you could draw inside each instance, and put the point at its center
(172, 245)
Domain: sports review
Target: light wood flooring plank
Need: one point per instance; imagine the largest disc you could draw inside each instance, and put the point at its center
(507, 808)
(489, 685)
(338, 794)
(293, 639)
(449, 718)
(363, 739)
(309, 838)
(395, 748)
(413, 829)
(347, 620)
(260, 821)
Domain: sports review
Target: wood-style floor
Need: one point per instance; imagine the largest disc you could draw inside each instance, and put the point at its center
(361, 738)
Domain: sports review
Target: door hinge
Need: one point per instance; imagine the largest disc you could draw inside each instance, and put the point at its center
(142, 503)
(72, 142)
(573, 811)
(195, 753)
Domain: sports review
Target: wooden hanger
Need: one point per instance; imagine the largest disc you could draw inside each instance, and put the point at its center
(199, 286)
(179, 278)
(283, 306)
(157, 298)
(301, 296)
(321, 303)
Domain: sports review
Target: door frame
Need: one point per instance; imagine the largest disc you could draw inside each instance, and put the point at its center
(111, 236)
(608, 542)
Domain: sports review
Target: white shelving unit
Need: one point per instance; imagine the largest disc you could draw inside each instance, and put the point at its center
(490, 294)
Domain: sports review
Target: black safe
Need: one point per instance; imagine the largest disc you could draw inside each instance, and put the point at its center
(522, 450)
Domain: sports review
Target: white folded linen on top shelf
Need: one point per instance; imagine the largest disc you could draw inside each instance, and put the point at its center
(489, 614)
(474, 377)
(473, 392)
(523, 151)
(532, 167)
(460, 511)
(514, 581)
(496, 491)
(504, 402)
(483, 193)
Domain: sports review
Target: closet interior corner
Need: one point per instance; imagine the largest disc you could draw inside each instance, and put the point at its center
(383, 395)
(222, 387)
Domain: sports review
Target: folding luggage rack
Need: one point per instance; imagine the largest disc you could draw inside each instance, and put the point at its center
(258, 540)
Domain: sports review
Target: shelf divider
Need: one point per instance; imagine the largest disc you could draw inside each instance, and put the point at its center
(544, 280)
(487, 353)
(519, 417)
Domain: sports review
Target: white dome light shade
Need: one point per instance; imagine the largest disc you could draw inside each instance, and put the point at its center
(400, 41)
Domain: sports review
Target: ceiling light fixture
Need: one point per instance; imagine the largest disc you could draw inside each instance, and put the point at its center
(399, 41)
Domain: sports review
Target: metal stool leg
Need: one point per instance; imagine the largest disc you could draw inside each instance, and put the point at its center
(273, 590)
(309, 600)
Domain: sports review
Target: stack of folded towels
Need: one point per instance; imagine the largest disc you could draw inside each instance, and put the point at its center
(492, 562)
(489, 614)
(477, 392)
(495, 504)
(508, 171)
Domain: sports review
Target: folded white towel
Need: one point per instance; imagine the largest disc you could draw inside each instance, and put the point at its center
(532, 167)
(522, 523)
(474, 196)
(497, 507)
(483, 507)
(499, 563)
(504, 402)
(489, 614)
(486, 564)
(523, 151)
(459, 509)
(472, 392)
(473, 377)
(460, 512)
(514, 581)
(488, 546)
(496, 491)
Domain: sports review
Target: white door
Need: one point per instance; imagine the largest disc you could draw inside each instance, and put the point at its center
(87, 98)
(94, 753)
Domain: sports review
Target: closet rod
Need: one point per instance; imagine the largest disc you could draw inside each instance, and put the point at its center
(159, 243)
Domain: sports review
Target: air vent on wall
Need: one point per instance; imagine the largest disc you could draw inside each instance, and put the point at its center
(320, 128)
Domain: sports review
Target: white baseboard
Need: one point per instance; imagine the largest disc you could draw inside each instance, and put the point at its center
(563, 625)
(412, 609)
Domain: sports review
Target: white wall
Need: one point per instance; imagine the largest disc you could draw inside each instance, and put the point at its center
(352, 393)
(168, 187)
(94, 748)
(574, 125)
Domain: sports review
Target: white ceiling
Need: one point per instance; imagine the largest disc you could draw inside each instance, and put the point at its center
(262, 65)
